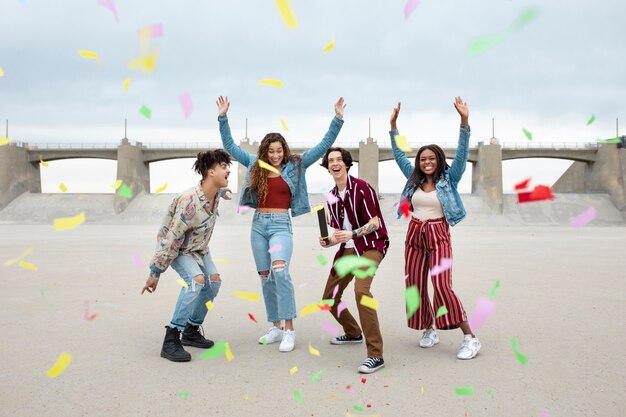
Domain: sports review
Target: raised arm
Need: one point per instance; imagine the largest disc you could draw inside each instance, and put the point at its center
(403, 162)
(457, 168)
(231, 147)
(315, 153)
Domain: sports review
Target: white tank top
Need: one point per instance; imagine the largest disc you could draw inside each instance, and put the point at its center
(426, 206)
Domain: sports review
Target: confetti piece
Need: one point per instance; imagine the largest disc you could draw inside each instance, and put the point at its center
(108, 4)
(321, 259)
(412, 298)
(441, 311)
(228, 353)
(286, 13)
(492, 293)
(298, 397)
(591, 120)
(242, 209)
(464, 391)
(4, 141)
(329, 47)
(250, 296)
(309, 309)
(489, 392)
(62, 187)
(264, 341)
(90, 55)
(522, 185)
(125, 192)
(584, 217)
(405, 207)
(293, 370)
(614, 140)
(57, 369)
(271, 82)
(183, 394)
(117, 184)
(145, 63)
(330, 197)
(363, 380)
(358, 408)
(313, 351)
(402, 144)
(316, 376)
(526, 17)
(27, 265)
(282, 122)
(422, 390)
(542, 192)
(209, 305)
(252, 317)
(409, 7)
(529, 135)
(483, 311)
(126, 83)
(183, 283)
(335, 290)
(369, 302)
(68, 223)
(521, 358)
(267, 166)
(330, 329)
(145, 111)
(340, 307)
(246, 397)
(317, 208)
(1, 72)
(220, 260)
(87, 316)
(26, 252)
(347, 264)
(186, 104)
(444, 265)
(156, 30)
(218, 349)
(275, 248)
(161, 189)
(42, 162)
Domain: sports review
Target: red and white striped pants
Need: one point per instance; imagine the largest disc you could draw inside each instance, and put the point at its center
(426, 243)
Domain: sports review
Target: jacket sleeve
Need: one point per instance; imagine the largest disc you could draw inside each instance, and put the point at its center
(369, 205)
(317, 152)
(403, 162)
(459, 162)
(244, 158)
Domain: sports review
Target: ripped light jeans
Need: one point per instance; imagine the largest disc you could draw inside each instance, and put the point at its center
(272, 232)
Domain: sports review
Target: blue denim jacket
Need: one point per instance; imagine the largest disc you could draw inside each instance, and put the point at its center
(299, 195)
(446, 187)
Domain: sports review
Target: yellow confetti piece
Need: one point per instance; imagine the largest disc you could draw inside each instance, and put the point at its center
(68, 223)
(1, 72)
(220, 260)
(313, 351)
(62, 187)
(271, 82)
(161, 189)
(4, 141)
(246, 397)
(284, 125)
(308, 309)
(286, 13)
(251, 296)
(27, 265)
(267, 166)
(209, 305)
(145, 63)
(293, 370)
(422, 390)
(126, 84)
(317, 208)
(42, 162)
(90, 54)
(402, 143)
(329, 47)
(229, 353)
(60, 365)
(182, 282)
(26, 252)
(369, 302)
(117, 184)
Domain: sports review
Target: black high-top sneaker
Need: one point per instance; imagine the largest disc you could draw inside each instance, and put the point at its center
(172, 349)
(192, 337)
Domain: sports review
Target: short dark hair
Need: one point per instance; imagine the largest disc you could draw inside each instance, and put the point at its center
(345, 156)
(209, 159)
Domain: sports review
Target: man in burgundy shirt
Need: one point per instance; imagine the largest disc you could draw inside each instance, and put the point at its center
(360, 229)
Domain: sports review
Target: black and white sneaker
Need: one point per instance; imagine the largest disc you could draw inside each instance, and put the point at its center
(342, 340)
(371, 365)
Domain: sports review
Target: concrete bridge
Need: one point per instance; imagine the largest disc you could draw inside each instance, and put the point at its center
(596, 168)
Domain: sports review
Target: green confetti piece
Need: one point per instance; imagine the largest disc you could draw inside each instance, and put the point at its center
(298, 397)
(183, 394)
(591, 119)
(329, 301)
(442, 310)
(614, 140)
(464, 390)
(526, 17)
(218, 349)
(145, 111)
(321, 259)
(513, 343)
(529, 135)
(489, 392)
(264, 340)
(360, 274)
(521, 358)
(125, 192)
(481, 44)
(350, 263)
(358, 408)
(412, 297)
(492, 293)
(315, 377)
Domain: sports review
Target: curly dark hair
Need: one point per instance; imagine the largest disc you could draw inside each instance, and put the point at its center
(346, 157)
(209, 159)
(442, 165)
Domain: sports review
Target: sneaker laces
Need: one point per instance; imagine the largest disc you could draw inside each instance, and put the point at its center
(370, 362)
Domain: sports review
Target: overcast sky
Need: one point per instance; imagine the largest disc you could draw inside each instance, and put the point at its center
(549, 76)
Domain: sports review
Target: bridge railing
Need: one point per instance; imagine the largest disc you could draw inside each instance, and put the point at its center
(70, 145)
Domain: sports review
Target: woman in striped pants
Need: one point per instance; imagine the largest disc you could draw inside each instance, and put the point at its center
(431, 197)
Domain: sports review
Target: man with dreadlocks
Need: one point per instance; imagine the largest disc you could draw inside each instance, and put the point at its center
(275, 182)
(431, 196)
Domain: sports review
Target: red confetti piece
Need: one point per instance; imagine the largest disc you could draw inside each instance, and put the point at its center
(541, 192)
(363, 380)
(325, 307)
(522, 185)
(406, 208)
(252, 317)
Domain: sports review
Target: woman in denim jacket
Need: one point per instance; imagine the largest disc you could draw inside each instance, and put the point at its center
(431, 196)
(272, 186)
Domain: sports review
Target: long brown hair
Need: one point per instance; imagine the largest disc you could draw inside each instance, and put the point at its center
(442, 165)
(258, 175)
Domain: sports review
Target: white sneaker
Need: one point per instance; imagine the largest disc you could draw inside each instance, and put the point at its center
(469, 348)
(273, 335)
(429, 338)
(288, 342)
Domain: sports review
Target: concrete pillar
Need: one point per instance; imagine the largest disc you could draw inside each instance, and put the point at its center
(368, 162)
(17, 174)
(131, 169)
(607, 174)
(487, 176)
(573, 179)
(241, 170)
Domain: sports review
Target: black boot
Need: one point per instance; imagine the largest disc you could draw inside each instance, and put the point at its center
(192, 337)
(172, 349)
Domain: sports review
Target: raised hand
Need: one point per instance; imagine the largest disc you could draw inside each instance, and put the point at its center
(394, 117)
(222, 105)
(461, 108)
(339, 106)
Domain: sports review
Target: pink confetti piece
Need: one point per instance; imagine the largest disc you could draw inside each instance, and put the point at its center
(335, 290)
(340, 307)
(108, 4)
(409, 7)
(330, 197)
(406, 277)
(330, 329)
(444, 265)
(584, 217)
(137, 260)
(242, 209)
(186, 104)
(484, 310)
(275, 248)
(87, 316)
(156, 30)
